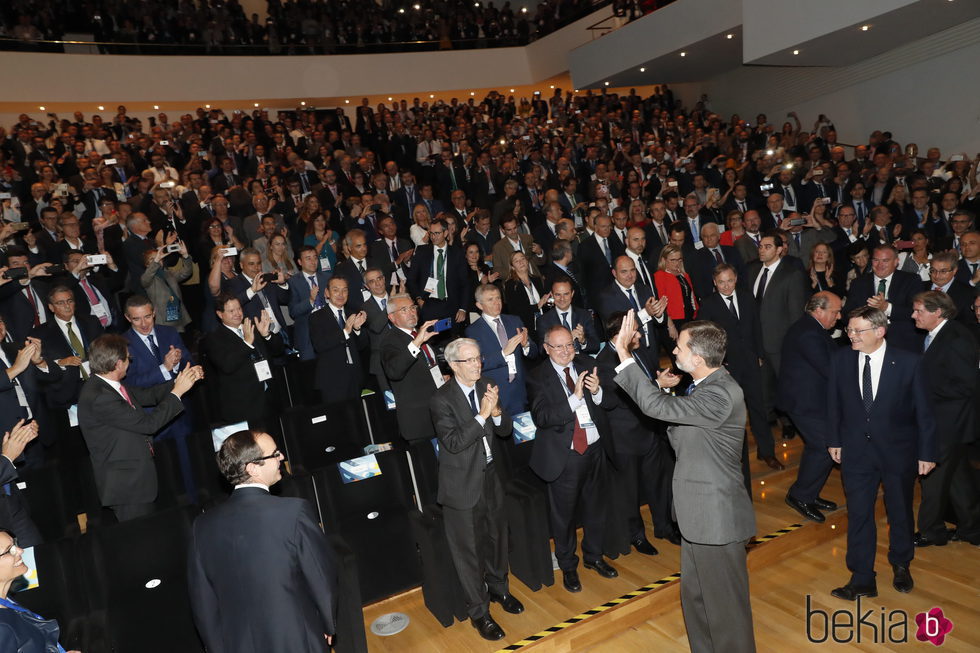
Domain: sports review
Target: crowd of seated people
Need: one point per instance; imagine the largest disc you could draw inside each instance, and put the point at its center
(289, 27)
(317, 233)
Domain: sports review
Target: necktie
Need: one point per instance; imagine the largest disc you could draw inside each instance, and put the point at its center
(29, 292)
(425, 350)
(762, 285)
(632, 298)
(860, 212)
(360, 267)
(881, 286)
(501, 332)
(318, 302)
(796, 237)
(155, 349)
(125, 395)
(441, 275)
(790, 199)
(690, 389)
(731, 306)
(662, 233)
(866, 388)
(741, 206)
(937, 288)
(928, 342)
(473, 402)
(452, 177)
(384, 304)
(644, 277)
(564, 321)
(580, 441)
(695, 230)
(973, 268)
(93, 299)
(606, 252)
(77, 348)
(718, 259)
(394, 251)
(340, 317)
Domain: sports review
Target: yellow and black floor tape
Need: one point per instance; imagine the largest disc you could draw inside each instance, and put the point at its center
(588, 614)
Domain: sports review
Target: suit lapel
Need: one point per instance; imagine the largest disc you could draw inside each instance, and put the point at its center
(888, 377)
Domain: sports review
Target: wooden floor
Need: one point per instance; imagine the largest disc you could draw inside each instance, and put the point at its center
(808, 560)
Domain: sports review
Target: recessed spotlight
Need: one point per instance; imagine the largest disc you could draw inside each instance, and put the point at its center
(389, 99)
(523, 10)
(302, 104)
(346, 101)
(156, 107)
(683, 54)
(101, 108)
(476, 4)
(207, 106)
(256, 104)
(643, 70)
(511, 90)
(762, 482)
(401, 11)
(729, 36)
(796, 52)
(865, 28)
(431, 96)
(416, 7)
(606, 83)
(41, 108)
(472, 93)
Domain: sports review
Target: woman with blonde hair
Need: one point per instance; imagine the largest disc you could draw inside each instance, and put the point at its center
(673, 282)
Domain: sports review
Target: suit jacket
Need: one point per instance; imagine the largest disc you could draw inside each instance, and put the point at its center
(118, 436)
(411, 384)
(808, 240)
(377, 323)
(503, 249)
(804, 366)
(336, 378)
(133, 249)
(235, 549)
(704, 266)
(634, 430)
(747, 248)
(613, 300)
(706, 432)
(550, 273)
(300, 310)
(33, 382)
(513, 394)
(578, 316)
(240, 396)
(16, 309)
(783, 303)
(485, 243)
(596, 270)
(950, 369)
(555, 421)
(744, 334)
(457, 290)
(63, 393)
(901, 426)
(379, 255)
(462, 456)
(107, 285)
(963, 295)
(275, 295)
(144, 369)
(902, 288)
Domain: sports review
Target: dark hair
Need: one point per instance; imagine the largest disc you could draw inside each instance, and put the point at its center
(105, 351)
(614, 324)
(137, 300)
(222, 299)
(935, 300)
(57, 289)
(236, 452)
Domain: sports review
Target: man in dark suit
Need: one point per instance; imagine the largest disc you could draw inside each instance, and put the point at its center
(735, 311)
(134, 248)
(949, 364)
(467, 415)
(118, 433)
(574, 438)
(238, 353)
(596, 255)
(410, 366)
(253, 537)
(157, 355)
(437, 277)
(625, 294)
(226, 177)
(14, 514)
(505, 345)
(338, 340)
(713, 513)
(710, 255)
(305, 297)
(779, 289)
(645, 459)
(577, 320)
(656, 229)
(95, 288)
(22, 301)
(560, 269)
(255, 294)
(389, 252)
(889, 289)
(805, 363)
(882, 431)
(376, 309)
(942, 277)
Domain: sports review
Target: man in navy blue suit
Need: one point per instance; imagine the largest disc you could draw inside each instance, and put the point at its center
(305, 298)
(804, 364)
(625, 294)
(157, 354)
(709, 256)
(505, 345)
(579, 321)
(890, 290)
(255, 294)
(881, 430)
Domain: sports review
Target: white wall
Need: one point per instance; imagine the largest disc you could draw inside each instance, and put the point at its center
(923, 92)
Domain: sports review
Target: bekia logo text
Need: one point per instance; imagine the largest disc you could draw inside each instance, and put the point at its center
(875, 625)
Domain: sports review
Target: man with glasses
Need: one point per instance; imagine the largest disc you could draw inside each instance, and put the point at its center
(942, 278)
(467, 415)
(119, 433)
(261, 573)
(437, 277)
(881, 430)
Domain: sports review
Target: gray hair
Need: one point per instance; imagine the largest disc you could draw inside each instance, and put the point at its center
(707, 340)
(452, 349)
(875, 316)
(935, 300)
(391, 301)
(483, 289)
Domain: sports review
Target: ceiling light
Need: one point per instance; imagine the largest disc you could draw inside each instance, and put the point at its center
(41, 108)
(389, 99)
(416, 7)
(256, 104)
(683, 54)
(729, 36)
(865, 28)
(431, 95)
(156, 107)
(607, 83)
(401, 11)
(302, 104)
(101, 108)
(346, 101)
(523, 10)
(552, 87)
(511, 90)
(796, 51)
(472, 93)
(643, 70)
(207, 106)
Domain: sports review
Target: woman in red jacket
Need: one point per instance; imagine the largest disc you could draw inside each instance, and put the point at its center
(675, 284)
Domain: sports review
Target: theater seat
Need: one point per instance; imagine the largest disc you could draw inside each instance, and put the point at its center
(136, 575)
(318, 436)
(372, 516)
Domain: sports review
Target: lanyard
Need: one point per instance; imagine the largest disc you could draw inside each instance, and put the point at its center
(13, 606)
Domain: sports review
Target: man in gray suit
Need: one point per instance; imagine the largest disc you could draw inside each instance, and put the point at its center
(714, 513)
(467, 415)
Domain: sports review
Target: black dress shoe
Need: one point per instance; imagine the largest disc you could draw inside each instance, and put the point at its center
(772, 462)
(955, 536)
(823, 504)
(903, 579)
(851, 592)
(569, 578)
(920, 539)
(808, 510)
(642, 545)
(601, 567)
(671, 536)
(508, 602)
(789, 432)
(488, 628)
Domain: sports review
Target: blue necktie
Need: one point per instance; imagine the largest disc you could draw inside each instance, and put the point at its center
(384, 304)
(473, 403)
(564, 321)
(340, 318)
(629, 293)
(155, 349)
(605, 248)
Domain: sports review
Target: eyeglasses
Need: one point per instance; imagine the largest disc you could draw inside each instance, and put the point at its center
(561, 347)
(854, 332)
(274, 454)
(10, 549)
(64, 302)
(941, 270)
(468, 361)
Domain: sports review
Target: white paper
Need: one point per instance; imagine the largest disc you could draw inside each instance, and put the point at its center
(437, 375)
(511, 363)
(432, 285)
(87, 368)
(262, 370)
(365, 294)
(73, 415)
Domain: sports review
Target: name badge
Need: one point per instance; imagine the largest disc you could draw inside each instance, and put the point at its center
(98, 310)
(325, 264)
(511, 363)
(73, 415)
(87, 368)
(262, 370)
(432, 285)
(365, 295)
(584, 418)
(437, 376)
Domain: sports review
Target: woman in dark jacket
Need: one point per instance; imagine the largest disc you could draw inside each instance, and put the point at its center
(524, 294)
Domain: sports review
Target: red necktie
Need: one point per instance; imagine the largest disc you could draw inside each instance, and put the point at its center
(30, 297)
(425, 349)
(580, 441)
(93, 299)
(122, 391)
